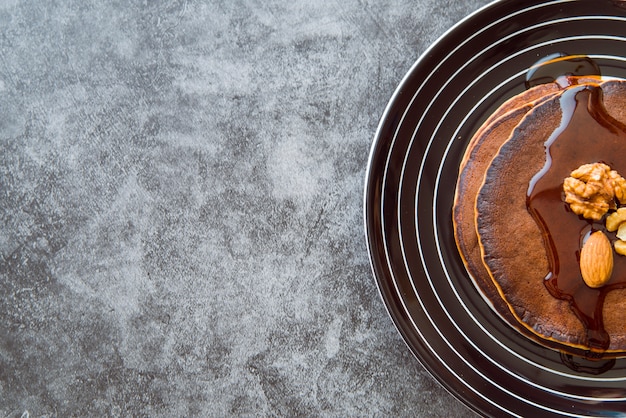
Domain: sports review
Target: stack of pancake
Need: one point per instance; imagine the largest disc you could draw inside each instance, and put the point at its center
(502, 245)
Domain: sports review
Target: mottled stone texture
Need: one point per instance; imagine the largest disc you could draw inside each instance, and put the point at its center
(181, 207)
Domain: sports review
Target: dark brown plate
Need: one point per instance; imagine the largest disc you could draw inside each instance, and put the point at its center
(409, 190)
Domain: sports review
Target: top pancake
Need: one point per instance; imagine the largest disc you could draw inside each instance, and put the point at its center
(511, 242)
(482, 148)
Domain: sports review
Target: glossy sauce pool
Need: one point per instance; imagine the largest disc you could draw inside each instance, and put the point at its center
(587, 134)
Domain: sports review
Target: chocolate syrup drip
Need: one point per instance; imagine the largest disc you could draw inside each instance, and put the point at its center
(558, 67)
(587, 134)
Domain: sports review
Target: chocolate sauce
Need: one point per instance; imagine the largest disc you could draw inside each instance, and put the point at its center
(587, 134)
(559, 67)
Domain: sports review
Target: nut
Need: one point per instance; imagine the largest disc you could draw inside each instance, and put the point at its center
(614, 220)
(591, 190)
(620, 247)
(621, 231)
(596, 260)
(619, 186)
(583, 201)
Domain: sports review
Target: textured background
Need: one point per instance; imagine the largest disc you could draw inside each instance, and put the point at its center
(181, 207)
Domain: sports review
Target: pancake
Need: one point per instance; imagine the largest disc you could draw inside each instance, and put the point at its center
(481, 150)
(511, 241)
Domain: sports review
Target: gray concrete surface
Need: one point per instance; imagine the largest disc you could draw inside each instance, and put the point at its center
(181, 208)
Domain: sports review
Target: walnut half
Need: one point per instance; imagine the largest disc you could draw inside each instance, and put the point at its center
(591, 190)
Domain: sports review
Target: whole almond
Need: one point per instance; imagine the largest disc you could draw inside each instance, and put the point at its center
(596, 260)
